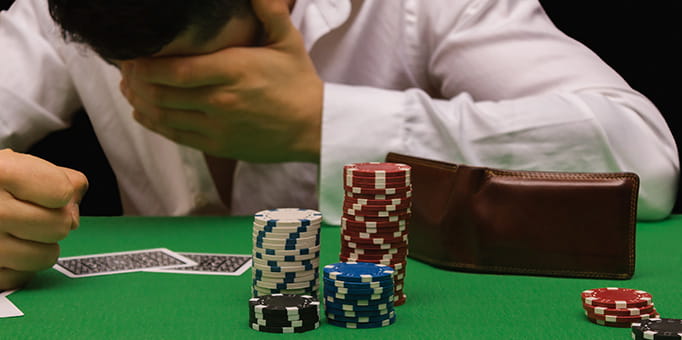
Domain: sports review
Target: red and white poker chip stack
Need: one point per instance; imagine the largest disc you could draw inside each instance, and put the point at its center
(376, 214)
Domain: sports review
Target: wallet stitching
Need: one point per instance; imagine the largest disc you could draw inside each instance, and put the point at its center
(559, 175)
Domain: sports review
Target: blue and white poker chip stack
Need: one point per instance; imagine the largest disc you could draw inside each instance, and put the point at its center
(359, 295)
(286, 250)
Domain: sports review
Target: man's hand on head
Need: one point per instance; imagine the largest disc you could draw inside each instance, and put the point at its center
(259, 104)
(38, 208)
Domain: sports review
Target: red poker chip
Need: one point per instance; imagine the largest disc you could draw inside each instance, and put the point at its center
(352, 223)
(377, 213)
(375, 233)
(384, 259)
(372, 180)
(604, 323)
(612, 297)
(377, 252)
(392, 218)
(354, 245)
(377, 169)
(375, 240)
(380, 177)
(400, 301)
(387, 207)
(363, 201)
(391, 263)
(375, 180)
(353, 252)
(402, 195)
(621, 318)
(374, 226)
(374, 191)
(398, 234)
(388, 259)
(619, 311)
(376, 186)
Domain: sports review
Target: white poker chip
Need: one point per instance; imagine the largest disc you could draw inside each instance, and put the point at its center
(288, 217)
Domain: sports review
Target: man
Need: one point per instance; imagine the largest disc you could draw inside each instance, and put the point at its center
(288, 87)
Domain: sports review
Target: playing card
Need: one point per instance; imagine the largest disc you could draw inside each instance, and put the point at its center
(121, 262)
(7, 308)
(6, 292)
(212, 264)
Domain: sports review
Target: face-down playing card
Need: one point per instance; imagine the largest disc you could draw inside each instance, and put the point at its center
(211, 264)
(120, 262)
(7, 308)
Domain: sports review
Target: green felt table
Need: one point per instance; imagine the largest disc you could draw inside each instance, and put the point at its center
(441, 304)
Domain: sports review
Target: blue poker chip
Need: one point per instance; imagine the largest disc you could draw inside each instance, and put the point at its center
(358, 272)
(359, 303)
(288, 217)
(360, 319)
(352, 308)
(361, 296)
(358, 285)
(383, 323)
(354, 314)
(358, 291)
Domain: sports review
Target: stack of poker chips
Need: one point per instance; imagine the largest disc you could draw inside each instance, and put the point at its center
(359, 295)
(657, 329)
(286, 250)
(284, 313)
(617, 307)
(376, 213)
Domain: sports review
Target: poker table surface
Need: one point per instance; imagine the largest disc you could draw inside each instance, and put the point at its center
(441, 304)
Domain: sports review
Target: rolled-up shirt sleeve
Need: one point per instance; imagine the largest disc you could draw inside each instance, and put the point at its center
(505, 89)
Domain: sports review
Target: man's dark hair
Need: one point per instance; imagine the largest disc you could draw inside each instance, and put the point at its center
(128, 29)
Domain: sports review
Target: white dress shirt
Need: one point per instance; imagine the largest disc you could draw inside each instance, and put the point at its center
(478, 82)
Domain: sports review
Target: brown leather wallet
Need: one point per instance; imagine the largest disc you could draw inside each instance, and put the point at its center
(522, 222)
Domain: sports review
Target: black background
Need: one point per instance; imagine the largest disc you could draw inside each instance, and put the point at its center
(639, 39)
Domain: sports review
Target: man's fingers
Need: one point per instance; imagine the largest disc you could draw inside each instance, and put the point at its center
(275, 16)
(12, 279)
(140, 93)
(188, 138)
(23, 255)
(34, 180)
(187, 71)
(79, 182)
(27, 221)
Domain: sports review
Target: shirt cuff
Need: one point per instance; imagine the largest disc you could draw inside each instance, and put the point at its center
(359, 124)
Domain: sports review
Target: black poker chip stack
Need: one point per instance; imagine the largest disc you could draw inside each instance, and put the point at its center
(657, 329)
(284, 313)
